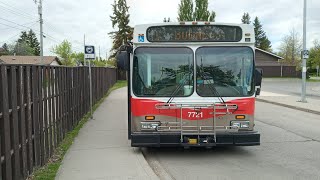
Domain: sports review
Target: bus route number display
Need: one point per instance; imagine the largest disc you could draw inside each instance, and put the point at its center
(193, 33)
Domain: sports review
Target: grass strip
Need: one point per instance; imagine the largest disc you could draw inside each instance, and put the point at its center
(49, 171)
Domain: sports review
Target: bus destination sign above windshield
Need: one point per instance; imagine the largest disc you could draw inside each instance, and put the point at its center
(194, 33)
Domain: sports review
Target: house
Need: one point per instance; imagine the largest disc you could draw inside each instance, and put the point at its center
(35, 60)
(272, 65)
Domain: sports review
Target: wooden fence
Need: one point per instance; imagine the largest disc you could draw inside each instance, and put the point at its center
(39, 105)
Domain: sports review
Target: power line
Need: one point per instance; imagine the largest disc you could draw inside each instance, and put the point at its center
(15, 23)
(16, 13)
(12, 26)
(52, 28)
(15, 10)
(10, 38)
(19, 25)
(20, 29)
(59, 42)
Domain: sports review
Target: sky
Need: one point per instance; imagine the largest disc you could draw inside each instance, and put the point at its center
(71, 19)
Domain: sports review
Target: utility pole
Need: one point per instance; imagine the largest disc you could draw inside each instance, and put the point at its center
(304, 60)
(99, 54)
(41, 28)
(84, 45)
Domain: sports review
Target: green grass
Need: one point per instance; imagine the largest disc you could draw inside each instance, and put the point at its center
(49, 171)
(313, 80)
(279, 77)
(291, 78)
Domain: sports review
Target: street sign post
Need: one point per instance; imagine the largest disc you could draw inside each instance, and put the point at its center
(318, 70)
(305, 54)
(89, 54)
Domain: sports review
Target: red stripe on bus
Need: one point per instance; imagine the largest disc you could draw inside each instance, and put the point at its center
(146, 107)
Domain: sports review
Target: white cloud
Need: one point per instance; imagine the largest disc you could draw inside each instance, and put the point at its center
(71, 19)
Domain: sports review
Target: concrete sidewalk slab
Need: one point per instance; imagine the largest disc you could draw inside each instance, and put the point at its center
(312, 105)
(102, 150)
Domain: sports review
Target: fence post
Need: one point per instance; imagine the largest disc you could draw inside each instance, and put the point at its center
(29, 120)
(6, 124)
(35, 78)
(15, 125)
(22, 119)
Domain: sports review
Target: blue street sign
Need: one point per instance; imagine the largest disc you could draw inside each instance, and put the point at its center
(89, 52)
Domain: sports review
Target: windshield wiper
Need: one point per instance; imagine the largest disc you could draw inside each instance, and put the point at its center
(176, 90)
(185, 77)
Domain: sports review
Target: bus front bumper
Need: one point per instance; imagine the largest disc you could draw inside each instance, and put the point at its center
(162, 139)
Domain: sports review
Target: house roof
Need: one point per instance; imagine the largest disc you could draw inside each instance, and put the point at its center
(272, 54)
(47, 60)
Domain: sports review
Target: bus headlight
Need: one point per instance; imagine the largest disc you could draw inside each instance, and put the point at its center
(240, 124)
(149, 126)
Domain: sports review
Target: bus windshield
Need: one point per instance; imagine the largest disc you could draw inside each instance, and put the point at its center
(225, 71)
(159, 72)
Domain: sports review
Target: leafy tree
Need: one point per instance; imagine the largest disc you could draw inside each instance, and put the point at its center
(262, 40)
(98, 63)
(246, 19)
(64, 51)
(112, 62)
(314, 58)
(78, 58)
(120, 19)
(31, 40)
(291, 47)
(201, 12)
(185, 10)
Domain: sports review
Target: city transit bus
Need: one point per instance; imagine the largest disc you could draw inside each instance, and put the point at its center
(191, 84)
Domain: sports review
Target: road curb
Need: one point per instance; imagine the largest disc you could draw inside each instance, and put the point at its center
(289, 106)
(155, 165)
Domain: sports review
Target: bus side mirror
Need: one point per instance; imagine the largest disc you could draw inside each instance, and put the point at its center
(258, 80)
(123, 60)
(258, 77)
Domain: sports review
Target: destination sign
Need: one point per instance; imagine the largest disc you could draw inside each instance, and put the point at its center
(194, 33)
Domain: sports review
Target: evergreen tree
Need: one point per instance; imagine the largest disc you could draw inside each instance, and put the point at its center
(34, 43)
(262, 41)
(185, 10)
(31, 40)
(120, 19)
(23, 37)
(5, 47)
(246, 19)
(201, 12)
(5, 50)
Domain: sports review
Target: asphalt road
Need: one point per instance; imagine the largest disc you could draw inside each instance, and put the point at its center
(290, 87)
(290, 149)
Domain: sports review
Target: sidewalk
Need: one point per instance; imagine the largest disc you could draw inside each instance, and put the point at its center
(312, 105)
(102, 150)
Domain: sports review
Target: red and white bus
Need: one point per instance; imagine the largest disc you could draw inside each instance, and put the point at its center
(191, 84)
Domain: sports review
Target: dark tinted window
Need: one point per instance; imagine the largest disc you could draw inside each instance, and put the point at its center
(225, 71)
(160, 71)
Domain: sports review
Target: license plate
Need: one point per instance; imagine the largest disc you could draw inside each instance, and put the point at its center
(193, 141)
